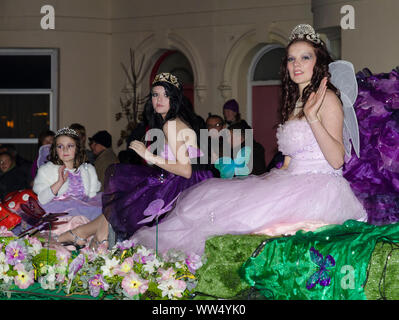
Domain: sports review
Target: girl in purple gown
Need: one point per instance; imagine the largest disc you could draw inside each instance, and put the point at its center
(174, 164)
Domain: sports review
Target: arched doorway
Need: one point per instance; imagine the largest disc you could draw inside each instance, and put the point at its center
(264, 94)
(175, 62)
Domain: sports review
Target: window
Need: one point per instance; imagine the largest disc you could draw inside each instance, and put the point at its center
(28, 97)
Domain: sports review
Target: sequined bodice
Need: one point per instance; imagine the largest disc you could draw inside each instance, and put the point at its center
(295, 139)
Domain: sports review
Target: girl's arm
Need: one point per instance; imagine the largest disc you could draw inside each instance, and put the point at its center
(176, 134)
(287, 160)
(324, 113)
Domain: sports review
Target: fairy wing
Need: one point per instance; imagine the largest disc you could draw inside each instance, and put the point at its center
(344, 79)
(241, 161)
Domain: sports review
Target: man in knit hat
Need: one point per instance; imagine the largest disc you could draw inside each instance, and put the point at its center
(232, 114)
(101, 145)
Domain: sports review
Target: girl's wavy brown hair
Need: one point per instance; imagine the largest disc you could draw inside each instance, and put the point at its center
(290, 90)
(80, 153)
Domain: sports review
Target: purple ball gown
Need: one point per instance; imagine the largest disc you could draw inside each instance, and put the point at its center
(374, 177)
(308, 191)
(129, 189)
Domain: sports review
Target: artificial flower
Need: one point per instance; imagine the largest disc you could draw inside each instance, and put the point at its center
(133, 284)
(110, 267)
(15, 253)
(4, 268)
(166, 274)
(24, 279)
(97, 283)
(172, 288)
(152, 265)
(125, 245)
(125, 267)
(193, 262)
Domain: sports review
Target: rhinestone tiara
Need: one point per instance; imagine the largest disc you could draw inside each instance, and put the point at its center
(66, 131)
(167, 77)
(302, 31)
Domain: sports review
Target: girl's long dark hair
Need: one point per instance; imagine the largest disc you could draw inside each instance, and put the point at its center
(180, 107)
(290, 90)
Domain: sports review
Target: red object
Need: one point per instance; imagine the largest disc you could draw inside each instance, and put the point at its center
(13, 200)
(8, 218)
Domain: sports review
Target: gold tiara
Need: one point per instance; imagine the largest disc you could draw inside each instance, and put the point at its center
(302, 31)
(167, 77)
(66, 131)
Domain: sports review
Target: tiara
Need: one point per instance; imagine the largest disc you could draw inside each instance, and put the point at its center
(167, 77)
(305, 31)
(66, 131)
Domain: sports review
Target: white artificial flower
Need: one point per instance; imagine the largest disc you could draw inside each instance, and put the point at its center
(3, 272)
(152, 265)
(144, 251)
(172, 288)
(110, 266)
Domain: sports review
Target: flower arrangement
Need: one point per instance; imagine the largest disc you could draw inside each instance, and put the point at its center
(126, 272)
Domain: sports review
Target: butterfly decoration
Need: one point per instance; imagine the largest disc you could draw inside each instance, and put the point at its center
(156, 208)
(321, 276)
(33, 214)
(238, 166)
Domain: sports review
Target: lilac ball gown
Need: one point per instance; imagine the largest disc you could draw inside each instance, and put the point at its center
(129, 189)
(74, 201)
(308, 191)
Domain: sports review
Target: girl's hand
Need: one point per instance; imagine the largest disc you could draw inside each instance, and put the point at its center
(140, 149)
(62, 178)
(315, 101)
(62, 175)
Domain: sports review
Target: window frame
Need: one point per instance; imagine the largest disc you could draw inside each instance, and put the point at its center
(52, 92)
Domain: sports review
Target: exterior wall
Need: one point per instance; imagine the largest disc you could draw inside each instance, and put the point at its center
(81, 34)
(373, 43)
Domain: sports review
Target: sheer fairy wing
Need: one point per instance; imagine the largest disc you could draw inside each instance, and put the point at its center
(44, 151)
(242, 160)
(344, 79)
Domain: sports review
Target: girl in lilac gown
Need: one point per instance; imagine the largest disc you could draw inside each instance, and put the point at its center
(174, 164)
(66, 183)
(307, 192)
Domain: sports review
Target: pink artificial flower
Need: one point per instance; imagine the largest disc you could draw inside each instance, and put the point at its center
(15, 253)
(193, 262)
(96, 283)
(133, 285)
(24, 279)
(63, 255)
(125, 267)
(166, 274)
(4, 232)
